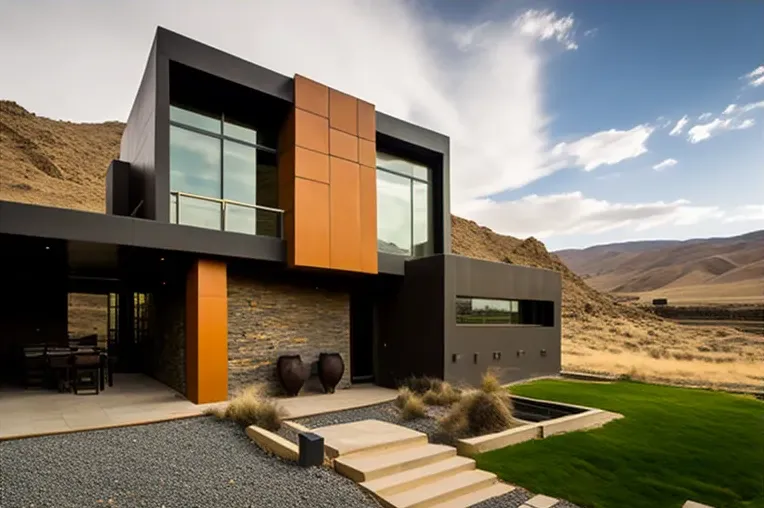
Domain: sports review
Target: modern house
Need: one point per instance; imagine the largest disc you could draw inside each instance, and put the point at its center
(252, 215)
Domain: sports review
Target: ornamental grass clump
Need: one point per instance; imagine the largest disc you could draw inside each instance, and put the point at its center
(410, 404)
(479, 412)
(413, 408)
(446, 396)
(252, 407)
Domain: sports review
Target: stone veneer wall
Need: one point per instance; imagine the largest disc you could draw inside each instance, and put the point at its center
(268, 319)
(166, 353)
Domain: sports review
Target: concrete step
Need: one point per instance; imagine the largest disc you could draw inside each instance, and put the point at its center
(441, 490)
(367, 436)
(478, 496)
(405, 480)
(364, 466)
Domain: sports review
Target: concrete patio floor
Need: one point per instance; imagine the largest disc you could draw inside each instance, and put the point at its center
(137, 399)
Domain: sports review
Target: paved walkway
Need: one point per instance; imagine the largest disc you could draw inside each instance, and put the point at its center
(137, 399)
(134, 399)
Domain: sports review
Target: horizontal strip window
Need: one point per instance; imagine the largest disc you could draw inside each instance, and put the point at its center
(487, 311)
(216, 127)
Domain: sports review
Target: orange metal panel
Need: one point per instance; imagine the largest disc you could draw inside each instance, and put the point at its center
(343, 112)
(311, 96)
(367, 152)
(207, 332)
(311, 224)
(367, 123)
(311, 131)
(342, 144)
(311, 165)
(345, 215)
(213, 348)
(368, 197)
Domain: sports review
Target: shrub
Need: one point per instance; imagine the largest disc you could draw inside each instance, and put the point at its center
(404, 394)
(490, 383)
(413, 408)
(445, 397)
(478, 413)
(251, 407)
(420, 385)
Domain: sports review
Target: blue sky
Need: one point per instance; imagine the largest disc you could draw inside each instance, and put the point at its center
(557, 111)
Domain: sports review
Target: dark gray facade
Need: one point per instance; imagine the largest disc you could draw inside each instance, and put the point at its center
(525, 350)
(423, 338)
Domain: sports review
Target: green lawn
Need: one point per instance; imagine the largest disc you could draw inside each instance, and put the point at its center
(674, 444)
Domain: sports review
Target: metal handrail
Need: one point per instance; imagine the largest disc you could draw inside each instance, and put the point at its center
(224, 208)
(227, 201)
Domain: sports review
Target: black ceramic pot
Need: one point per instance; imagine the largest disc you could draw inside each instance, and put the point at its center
(291, 373)
(330, 370)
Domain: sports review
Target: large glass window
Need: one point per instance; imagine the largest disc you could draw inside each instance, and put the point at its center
(215, 170)
(403, 207)
(490, 311)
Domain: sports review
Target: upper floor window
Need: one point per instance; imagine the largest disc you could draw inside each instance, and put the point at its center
(488, 311)
(403, 207)
(221, 177)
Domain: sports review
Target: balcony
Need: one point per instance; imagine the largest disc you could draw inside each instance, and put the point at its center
(225, 215)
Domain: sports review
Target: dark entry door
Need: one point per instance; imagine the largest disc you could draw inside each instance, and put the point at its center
(361, 339)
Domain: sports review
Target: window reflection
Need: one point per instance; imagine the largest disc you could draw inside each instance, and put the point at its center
(223, 163)
(240, 163)
(403, 207)
(393, 213)
(194, 163)
(203, 122)
(200, 213)
(421, 223)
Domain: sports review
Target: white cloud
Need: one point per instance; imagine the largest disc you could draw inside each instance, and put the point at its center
(703, 132)
(729, 109)
(666, 163)
(677, 130)
(544, 25)
(746, 213)
(756, 76)
(591, 32)
(602, 148)
(750, 107)
(705, 116)
(574, 214)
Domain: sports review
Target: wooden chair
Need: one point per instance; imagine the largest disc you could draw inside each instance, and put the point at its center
(87, 372)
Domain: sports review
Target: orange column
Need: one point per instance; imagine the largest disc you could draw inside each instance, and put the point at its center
(207, 332)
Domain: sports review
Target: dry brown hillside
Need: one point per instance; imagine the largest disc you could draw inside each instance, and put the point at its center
(63, 164)
(712, 270)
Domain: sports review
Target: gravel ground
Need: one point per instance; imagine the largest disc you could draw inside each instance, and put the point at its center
(512, 500)
(197, 462)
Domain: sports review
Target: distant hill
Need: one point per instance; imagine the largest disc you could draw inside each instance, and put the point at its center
(711, 266)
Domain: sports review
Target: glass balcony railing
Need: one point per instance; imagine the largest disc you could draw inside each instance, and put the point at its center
(225, 215)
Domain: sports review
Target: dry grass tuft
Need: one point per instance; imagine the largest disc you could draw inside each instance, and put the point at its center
(445, 397)
(404, 394)
(251, 407)
(421, 385)
(490, 383)
(413, 408)
(478, 413)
